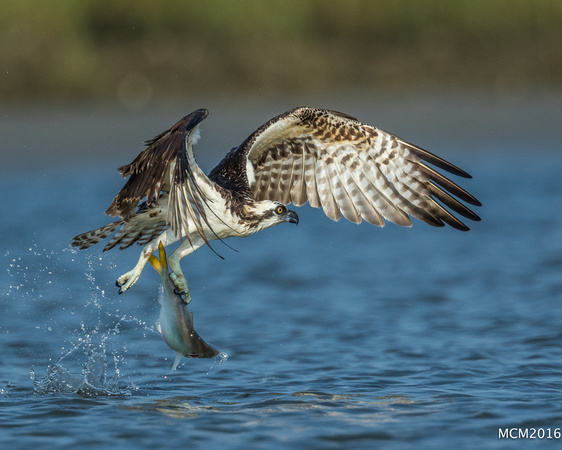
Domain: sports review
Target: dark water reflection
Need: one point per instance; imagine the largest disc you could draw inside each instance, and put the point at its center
(334, 335)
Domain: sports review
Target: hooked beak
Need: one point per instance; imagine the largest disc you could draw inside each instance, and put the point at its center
(292, 217)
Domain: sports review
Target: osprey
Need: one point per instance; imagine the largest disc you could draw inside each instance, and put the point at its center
(326, 158)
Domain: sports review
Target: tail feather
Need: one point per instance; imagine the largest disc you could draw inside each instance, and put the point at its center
(86, 240)
(136, 231)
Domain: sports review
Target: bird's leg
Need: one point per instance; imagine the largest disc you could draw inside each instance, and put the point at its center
(128, 279)
(176, 274)
(177, 277)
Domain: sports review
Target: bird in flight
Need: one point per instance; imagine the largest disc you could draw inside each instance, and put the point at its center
(321, 157)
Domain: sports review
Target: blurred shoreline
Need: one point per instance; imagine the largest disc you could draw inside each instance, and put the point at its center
(86, 83)
(83, 134)
(135, 52)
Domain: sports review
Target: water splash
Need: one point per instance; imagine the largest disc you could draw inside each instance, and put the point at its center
(55, 289)
(93, 381)
(221, 358)
(42, 286)
(90, 350)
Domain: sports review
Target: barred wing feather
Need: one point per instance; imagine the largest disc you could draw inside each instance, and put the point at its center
(349, 168)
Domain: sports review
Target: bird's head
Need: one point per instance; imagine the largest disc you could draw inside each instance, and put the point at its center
(268, 213)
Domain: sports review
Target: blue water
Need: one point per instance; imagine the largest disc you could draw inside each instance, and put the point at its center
(332, 335)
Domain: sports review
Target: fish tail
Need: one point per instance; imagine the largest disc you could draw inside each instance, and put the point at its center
(160, 265)
(177, 360)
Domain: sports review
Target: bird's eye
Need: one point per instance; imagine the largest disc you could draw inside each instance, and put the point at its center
(280, 209)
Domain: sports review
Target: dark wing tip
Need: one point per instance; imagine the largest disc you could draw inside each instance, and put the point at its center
(149, 169)
(437, 161)
(186, 123)
(476, 202)
(195, 118)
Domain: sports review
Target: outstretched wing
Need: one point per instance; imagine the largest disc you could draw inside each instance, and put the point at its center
(168, 165)
(333, 161)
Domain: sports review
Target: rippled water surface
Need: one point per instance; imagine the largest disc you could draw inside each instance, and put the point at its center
(332, 334)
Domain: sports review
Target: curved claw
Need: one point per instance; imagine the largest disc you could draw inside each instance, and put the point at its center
(180, 286)
(126, 281)
(179, 293)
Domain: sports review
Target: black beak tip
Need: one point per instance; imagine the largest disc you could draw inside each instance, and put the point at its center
(292, 217)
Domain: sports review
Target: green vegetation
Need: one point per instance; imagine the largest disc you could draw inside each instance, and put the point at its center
(67, 49)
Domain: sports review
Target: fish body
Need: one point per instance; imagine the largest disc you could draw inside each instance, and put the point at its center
(175, 322)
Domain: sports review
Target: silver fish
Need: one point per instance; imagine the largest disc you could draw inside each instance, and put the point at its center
(175, 323)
